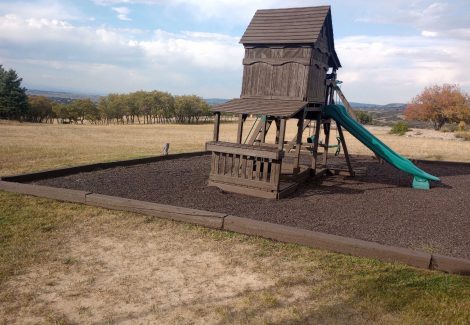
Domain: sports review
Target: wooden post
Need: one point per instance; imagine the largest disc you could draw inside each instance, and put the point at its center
(315, 143)
(278, 126)
(282, 134)
(241, 120)
(216, 126)
(345, 149)
(326, 128)
(298, 142)
(276, 167)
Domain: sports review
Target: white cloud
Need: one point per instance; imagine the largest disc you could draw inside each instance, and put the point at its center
(47, 9)
(56, 46)
(128, 58)
(428, 33)
(394, 69)
(229, 10)
(442, 19)
(122, 13)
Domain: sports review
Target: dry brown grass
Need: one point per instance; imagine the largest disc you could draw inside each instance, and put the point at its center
(84, 265)
(27, 147)
(66, 263)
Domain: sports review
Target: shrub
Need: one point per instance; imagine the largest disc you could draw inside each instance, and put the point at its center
(449, 128)
(399, 128)
(461, 126)
(363, 117)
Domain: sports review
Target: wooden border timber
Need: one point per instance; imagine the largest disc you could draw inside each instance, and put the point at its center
(344, 245)
(28, 177)
(199, 217)
(326, 241)
(61, 194)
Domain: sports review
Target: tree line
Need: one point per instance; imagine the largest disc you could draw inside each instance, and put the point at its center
(146, 107)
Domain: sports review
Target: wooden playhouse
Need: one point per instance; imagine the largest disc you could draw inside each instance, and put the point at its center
(289, 72)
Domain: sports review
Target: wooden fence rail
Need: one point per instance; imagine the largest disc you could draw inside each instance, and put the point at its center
(246, 165)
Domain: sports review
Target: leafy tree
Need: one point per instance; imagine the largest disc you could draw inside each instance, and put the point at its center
(80, 110)
(440, 105)
(13, 99)
(105, 109)
(163, 105)
(40, 109)
(189, 108)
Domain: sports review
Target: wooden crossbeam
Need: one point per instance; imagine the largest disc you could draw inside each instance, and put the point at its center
(258, 132)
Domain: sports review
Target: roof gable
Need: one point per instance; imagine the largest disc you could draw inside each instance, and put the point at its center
(286, 26)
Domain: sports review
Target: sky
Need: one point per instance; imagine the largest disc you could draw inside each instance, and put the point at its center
(389, 50)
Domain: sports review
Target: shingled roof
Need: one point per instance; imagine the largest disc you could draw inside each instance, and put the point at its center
(271, 107)
(287, 26)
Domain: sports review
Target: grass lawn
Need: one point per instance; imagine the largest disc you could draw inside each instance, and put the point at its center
(67, 263)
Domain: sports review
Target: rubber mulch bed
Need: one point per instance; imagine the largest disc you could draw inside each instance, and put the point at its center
(379, 206)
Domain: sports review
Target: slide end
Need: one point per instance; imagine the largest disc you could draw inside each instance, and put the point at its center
(420, 183)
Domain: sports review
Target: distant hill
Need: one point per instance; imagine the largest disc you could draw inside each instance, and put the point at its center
(61, 97)
(374, 107)
(216, 101)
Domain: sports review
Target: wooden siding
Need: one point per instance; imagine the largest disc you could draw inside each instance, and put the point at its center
(317, 86)
(276, 73)
(319, 67)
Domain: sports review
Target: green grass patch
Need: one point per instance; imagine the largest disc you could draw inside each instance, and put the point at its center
(29, 230)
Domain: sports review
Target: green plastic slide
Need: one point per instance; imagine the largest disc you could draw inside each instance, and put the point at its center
(341, 116)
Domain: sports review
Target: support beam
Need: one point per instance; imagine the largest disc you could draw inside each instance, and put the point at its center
(282, 134)
(345, 149)
(326, 129)
(278, 126)
(291, 143)
(241, 121)
(264, 129)
(257, 132)
(216, 126)
(315, 143)
(298, 142)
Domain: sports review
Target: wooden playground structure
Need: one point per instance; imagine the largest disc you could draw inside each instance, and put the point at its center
(289, 72)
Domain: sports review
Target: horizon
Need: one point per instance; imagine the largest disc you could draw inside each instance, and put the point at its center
(66, 92)
(389, 51)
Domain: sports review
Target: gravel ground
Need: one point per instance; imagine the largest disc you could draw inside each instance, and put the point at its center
(380, 206)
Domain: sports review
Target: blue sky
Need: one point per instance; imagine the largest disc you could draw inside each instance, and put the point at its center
(389, 50)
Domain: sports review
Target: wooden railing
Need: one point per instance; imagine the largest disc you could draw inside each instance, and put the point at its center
(245, 165)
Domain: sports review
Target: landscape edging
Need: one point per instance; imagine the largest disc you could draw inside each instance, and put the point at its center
(199, 217)
(339, 244)
(450, 264)
(61, 194)
(28, 177)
